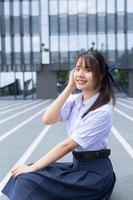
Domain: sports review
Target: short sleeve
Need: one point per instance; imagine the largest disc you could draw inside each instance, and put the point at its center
(67, 107)
(90, 131)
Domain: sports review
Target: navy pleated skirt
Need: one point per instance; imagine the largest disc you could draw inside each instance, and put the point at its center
(79, 180)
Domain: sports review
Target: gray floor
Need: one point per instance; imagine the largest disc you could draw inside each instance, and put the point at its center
(20, 122)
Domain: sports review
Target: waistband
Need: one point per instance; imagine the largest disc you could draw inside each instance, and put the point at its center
(103, 153)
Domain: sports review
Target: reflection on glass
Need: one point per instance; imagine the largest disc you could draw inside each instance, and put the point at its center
(6, 8)
(130, 41)
(16, 11)
(25, 7)
(82, 6)
(91, 6)
(92, 41)
(110, 6)
(35, 8)
(53, 7)
(82, 24)
(7, 44)
(26, 42)
(82, 42)
(36, 43)
(17, 41)
(73, 43)
(111, 41)
(54, 43)
(120, 41)
(120, 5)
(101, 42)
(120, 46)
(63, 7)
(0, 43)
(63, 24)
(72, 7)
(130, 6)
(64, 43)
(101, 6)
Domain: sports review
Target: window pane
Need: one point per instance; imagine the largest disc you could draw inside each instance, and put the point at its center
(72, 7)
(63, 7)
(91, 23)
(82, 24)
(130, 22)
(54, 42)
(53, 7)
(35, 7)
(26, 42)
(26, 25)
(82, 6)
(82, 43)
(53, 24)
(110, 6)
(91, 6)
(111, 41)
(36, 43)
(16, 11)
(101, 5)
(35, 25)
(130, 6)
(25, 7)
(73, 23)
(64, 43)
(92, 41)
(101, 23)
(7, 44)
(17, 47)
(101, 42)
(120, 43)
(130, 41)
(110, 22)
(16, 25)
(7, 25)
(73, 43)
(120, 5)
(7, 8)
(120, 22)
(63, 24)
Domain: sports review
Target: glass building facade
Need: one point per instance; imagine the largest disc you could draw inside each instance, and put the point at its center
(39, 33)
(77, 25)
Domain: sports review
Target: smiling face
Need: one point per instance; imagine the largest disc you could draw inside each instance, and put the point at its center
(84, 76)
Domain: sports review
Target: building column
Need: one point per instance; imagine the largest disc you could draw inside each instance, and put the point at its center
(130, 83)
(46, 83)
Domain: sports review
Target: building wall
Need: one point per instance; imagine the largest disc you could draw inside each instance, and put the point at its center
(35, 34)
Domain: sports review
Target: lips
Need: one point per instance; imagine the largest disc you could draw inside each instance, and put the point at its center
(81, 82)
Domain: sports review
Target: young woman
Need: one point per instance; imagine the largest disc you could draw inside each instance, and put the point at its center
(88, 116)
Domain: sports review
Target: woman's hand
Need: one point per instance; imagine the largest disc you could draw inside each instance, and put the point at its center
(71, 83)
(21, 169)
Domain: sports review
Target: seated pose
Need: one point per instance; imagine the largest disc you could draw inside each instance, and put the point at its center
(88, 116)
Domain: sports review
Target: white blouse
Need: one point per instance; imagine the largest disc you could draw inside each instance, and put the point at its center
(91, 131)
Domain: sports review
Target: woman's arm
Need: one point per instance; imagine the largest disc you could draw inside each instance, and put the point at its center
(52, 114)
(53, 155)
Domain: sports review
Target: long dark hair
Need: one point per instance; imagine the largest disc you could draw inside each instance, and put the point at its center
(96, 61)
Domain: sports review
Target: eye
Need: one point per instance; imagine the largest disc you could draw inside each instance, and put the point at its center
(88, 69)
(77, 69)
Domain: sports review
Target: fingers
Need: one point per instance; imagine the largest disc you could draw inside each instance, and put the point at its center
(17, 171)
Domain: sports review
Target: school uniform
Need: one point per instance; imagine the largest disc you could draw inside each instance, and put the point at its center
(90, 176)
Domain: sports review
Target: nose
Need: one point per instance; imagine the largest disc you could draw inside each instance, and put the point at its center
(81, 73)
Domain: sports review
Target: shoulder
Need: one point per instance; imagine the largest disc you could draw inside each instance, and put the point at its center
(73, 97)
(104, 112)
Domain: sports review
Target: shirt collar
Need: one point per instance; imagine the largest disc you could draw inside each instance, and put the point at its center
(87, 103)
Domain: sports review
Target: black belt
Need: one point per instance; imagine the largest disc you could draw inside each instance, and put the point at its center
(103, 153)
